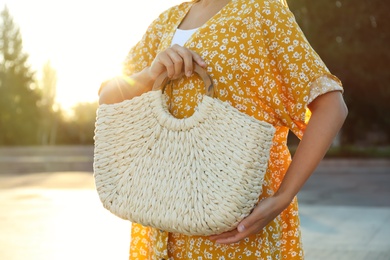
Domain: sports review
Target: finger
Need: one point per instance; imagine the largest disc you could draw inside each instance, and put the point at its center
(186, 56)
(252, 220)
(166, 64)
(177, 61)
(246, 227)
(233, 238)
(188, 62)
(198, 59)
(189, 58)
(223, 235)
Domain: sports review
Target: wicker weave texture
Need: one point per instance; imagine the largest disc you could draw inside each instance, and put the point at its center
(197, 176)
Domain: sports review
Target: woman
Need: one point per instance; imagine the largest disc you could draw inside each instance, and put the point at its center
(262, 64)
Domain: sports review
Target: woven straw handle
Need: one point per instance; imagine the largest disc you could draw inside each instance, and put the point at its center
(162, 81)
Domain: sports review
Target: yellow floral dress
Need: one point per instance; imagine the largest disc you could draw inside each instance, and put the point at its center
(262, 64)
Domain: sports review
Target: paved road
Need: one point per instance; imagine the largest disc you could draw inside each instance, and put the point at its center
(345, 214)
(57, 216)
(345, 211)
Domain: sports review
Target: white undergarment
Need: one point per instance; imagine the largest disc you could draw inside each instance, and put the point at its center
(182, 36)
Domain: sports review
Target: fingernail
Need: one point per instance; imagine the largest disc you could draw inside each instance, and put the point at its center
(189, 73)
(240, 228)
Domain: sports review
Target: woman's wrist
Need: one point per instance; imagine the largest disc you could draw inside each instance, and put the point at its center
(124, 87)
(285, 197)
(127, 79)
(141, 80)
(144, 77)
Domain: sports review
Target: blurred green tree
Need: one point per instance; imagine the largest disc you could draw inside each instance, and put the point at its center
(81, 126)
(48, 108)
(352, 37)
(19, 114)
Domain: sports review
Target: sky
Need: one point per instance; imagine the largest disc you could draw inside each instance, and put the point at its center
(85, 41)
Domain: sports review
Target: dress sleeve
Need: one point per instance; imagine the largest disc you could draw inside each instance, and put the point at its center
(143, 53)
(297, 68)
(321, 86)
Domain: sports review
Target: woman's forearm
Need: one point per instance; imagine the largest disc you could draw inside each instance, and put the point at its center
(328, 115)
(118, 89)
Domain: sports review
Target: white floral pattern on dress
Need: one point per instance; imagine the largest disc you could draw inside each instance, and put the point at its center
(262, 64)
(323, 85)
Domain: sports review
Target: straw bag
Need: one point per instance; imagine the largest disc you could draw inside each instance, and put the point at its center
(196, 176)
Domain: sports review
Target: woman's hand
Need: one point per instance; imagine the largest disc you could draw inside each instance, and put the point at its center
(263, 213)
(175, 60)
(328, 114)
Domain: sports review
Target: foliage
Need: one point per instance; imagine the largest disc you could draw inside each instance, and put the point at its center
(353, 151)
(81, 127)
(19, 114)
(28, 112)
(352, 38)
(49, 122)
(359, 152)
